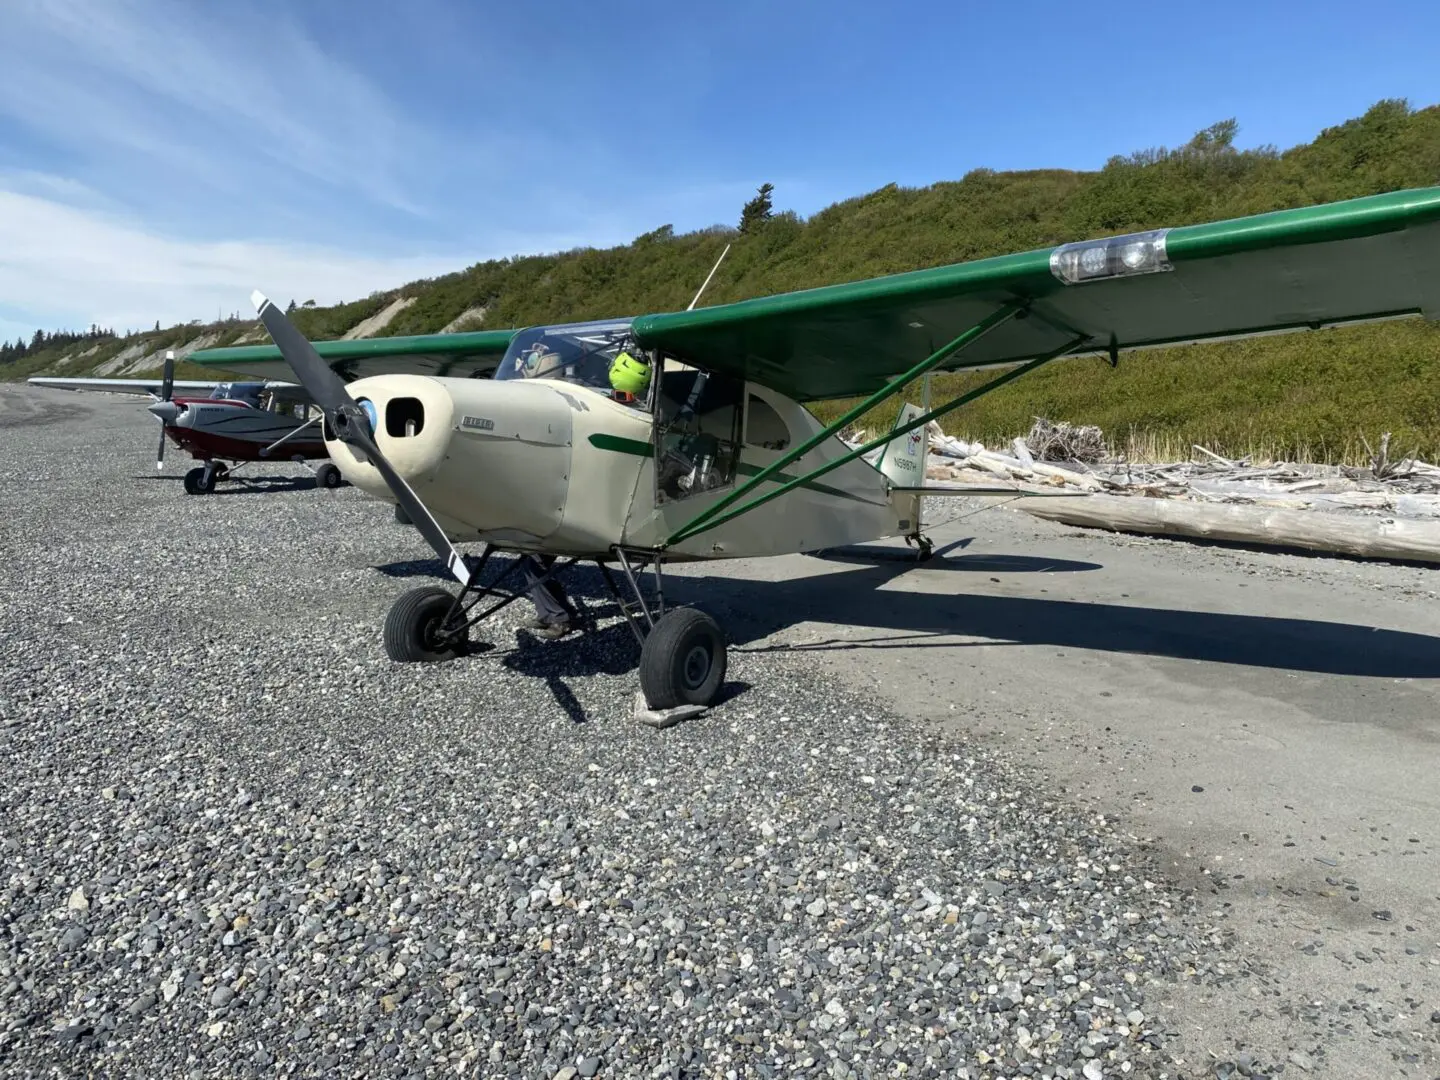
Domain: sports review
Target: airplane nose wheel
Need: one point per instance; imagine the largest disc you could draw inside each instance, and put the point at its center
(682, 661)
(201, 479)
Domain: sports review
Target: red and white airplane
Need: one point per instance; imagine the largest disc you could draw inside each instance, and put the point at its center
(224, 424)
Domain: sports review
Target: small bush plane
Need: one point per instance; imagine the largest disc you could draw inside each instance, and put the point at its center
(222, 424)
(719, 458)
(227, 424)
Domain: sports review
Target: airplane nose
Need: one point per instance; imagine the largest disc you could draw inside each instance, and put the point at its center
(484, 455)
(167, 411)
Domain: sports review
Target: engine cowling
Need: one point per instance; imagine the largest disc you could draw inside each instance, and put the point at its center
(486, 457)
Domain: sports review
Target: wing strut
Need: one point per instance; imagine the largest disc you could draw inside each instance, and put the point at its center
(712, 517)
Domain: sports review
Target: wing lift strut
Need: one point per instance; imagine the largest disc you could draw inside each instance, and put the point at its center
(725, 510)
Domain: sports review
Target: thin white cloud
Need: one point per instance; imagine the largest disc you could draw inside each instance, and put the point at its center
(175, 155)
(56, 188)
(69, 266)
(238, 98)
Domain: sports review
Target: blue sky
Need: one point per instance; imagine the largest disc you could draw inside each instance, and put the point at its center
(160, 158)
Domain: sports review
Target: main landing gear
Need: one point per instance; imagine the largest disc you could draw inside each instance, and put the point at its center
(202, 479)
(682, 651)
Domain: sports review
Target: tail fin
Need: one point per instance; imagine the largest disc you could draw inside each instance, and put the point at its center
(902, 459)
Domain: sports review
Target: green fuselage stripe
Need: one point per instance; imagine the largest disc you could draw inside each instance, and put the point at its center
(621, 445)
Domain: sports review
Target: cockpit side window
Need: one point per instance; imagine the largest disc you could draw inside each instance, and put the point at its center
(764, 427)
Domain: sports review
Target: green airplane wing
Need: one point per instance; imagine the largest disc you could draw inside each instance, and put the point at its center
(462, 355)
(1362, 259)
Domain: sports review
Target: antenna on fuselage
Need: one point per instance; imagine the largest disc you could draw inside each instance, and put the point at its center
(707, 279)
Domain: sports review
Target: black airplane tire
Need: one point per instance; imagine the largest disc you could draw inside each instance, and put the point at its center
(412, 624)
(683, 660)
(199, 481)
(327, 476)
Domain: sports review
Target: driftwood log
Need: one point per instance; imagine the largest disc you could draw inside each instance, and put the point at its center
(1366, 537)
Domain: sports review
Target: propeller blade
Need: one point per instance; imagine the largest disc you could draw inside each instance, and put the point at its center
(349, 424)
(167, 382)
(160, 454)
(324, 386)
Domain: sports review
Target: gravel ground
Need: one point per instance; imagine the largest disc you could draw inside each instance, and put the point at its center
(235, 840)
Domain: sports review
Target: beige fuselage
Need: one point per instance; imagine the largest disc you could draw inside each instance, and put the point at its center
(550, 466)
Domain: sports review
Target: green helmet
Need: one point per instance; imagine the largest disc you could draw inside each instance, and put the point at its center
(629, 375)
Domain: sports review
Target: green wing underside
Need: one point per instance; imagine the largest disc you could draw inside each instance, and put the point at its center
(456, 355)
(1363, 259)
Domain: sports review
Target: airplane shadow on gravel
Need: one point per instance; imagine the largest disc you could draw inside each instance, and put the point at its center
(752, 610)
(943, 560)
(248, 486)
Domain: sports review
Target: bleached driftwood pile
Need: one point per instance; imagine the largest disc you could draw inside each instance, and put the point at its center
(1390, 509)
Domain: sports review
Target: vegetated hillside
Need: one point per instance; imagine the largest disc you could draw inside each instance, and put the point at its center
(1315, 394)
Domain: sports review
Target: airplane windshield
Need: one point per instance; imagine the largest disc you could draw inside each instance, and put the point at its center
(247, 392)
(578, 353)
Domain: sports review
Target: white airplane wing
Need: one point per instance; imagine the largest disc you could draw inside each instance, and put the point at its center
(123, 386)
(285, 391)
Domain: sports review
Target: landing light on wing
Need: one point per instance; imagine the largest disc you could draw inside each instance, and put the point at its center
(1113, 256)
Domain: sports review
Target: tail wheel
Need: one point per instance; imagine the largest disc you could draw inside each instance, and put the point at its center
(199, 480)
(327, 476)
(683, 660)
(414, 628)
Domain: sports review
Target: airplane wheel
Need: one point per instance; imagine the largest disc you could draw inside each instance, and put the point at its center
(683, 660)
(413, 625)
(327, 476)
(199, 481)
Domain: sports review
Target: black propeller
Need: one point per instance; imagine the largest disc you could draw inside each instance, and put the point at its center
(349, 423)
(167, 387)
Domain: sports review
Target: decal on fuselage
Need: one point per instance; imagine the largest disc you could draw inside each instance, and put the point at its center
(477, 423)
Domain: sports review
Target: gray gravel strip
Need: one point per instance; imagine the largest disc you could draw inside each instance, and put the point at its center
(235, 840)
